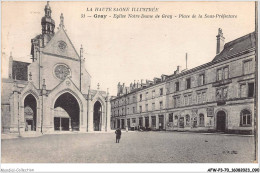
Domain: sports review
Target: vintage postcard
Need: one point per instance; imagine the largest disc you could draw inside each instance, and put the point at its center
(129, 82)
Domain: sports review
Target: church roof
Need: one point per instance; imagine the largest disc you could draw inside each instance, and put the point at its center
(237, 46)
(92, 93)
(20, 70)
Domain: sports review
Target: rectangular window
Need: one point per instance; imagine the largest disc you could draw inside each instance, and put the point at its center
(243, 90)
(199, 98)
(128, 100)
(188, 83)
(133, 98)
(225, 93)
(133, 110)
(127, 110)
(248, 68)
(153, 93)
(146, 96)
(178, 101)
(141, 97)
(146, 107)
(153, 106)
(123, 112)
(140, 107)
(201, 79)
(185, 100)
(174, 102)
(161, 91)
(222, 73)
(245, 118)
(225, 73)
(161, 105)
(219, 74)
(251, 89)
(204, 97)
(177, 86)
(190, 99)
(133, 120)
(171, 117)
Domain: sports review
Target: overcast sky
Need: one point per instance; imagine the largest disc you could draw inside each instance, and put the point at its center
(124, 50)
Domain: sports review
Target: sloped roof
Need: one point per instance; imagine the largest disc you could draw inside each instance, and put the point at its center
(92, 93)
(237, 46)
(20, 70)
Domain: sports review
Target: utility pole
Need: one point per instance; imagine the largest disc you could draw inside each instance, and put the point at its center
(19, 118)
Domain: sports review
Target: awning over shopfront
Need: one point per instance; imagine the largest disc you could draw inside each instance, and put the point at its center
(60, 113)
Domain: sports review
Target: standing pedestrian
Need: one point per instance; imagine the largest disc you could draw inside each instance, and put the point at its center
(118, 135)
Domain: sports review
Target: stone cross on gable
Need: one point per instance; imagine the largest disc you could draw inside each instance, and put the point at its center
(61, 21)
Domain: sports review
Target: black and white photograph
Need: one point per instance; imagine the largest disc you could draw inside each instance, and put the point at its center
(126, 83)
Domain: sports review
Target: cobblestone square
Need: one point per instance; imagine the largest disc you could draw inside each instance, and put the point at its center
(134, 147)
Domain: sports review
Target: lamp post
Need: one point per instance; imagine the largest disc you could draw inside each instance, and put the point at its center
(19, 133)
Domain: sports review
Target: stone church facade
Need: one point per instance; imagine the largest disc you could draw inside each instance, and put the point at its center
(53, 92)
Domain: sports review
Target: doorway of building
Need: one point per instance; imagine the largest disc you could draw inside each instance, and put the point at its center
(122, 123)
(66, 113)
(161, 122)
(97, 116)
(181, 122)
(141, 121)
(221, 121)
(118, 123)
(146, 122)
(30, 113)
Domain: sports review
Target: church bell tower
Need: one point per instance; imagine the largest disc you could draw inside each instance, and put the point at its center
(48, 25)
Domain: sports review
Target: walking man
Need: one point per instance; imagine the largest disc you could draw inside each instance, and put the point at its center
(118, 135)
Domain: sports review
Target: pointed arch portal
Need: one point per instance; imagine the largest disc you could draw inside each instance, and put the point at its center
(30, 113)
(97, 116)
(66, 113)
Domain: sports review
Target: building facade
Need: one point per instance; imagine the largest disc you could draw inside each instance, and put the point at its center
(216, 96)
(53, 92)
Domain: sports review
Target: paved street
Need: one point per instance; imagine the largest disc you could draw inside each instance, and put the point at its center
(134, 147)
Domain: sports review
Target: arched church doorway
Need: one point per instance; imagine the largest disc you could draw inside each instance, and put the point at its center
(66, 113)
(97, 116)
(30, 113)
(221, 121)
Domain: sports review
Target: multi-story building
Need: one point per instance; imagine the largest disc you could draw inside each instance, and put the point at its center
(216, 96)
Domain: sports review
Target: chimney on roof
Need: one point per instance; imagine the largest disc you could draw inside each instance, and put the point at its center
(178, 69)
(220, 41)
